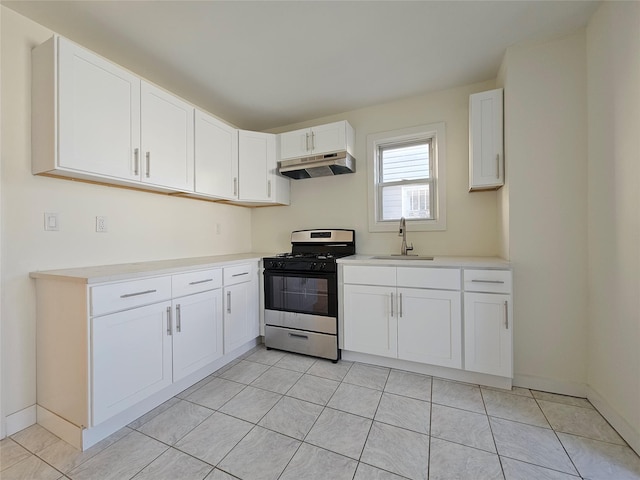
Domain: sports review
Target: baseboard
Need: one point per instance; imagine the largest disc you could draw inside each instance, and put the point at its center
(21, 419)
(432, 370)
(552, 385)
(617, 421)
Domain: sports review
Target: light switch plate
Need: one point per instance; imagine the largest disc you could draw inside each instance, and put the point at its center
(51, 222)
(101, 224)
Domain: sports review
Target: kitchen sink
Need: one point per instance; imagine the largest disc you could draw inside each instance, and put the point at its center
(401, 257)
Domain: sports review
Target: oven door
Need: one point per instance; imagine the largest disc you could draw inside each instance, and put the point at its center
(305, 293)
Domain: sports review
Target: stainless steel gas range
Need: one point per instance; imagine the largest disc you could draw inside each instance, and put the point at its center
(301, 293)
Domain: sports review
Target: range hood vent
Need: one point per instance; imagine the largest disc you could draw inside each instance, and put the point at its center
(318, 166)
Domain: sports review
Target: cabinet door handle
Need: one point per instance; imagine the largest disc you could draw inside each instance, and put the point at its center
(127, 295)
(506, 315)
(307, 142)
(269, 188)
(240, 274)
(313, 140)
(487, 281)
(136, 161)
(178, 319)
(228, 302)
(400, 305)
(169, 327)
(497, 164)
(197, 282)
(391, 303)
(235, 186)
(148, 157)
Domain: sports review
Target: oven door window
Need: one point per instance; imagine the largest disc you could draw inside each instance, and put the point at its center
(301, 293)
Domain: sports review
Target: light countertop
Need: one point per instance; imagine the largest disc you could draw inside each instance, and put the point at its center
(438, 261)
(128, 271)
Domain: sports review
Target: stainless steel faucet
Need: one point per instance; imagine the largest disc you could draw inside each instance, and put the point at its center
(402, 232)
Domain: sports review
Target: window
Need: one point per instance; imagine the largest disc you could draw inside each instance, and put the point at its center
(408, 178)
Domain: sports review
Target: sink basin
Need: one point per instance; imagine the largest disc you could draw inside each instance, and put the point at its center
(402, 257)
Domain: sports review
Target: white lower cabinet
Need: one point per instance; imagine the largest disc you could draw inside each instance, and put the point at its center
(107, 352)
(488, 333)
(131, 358)
(369, 325)
(416, 324)
(430, 327)
(416, 314)
(241, 303)
(196, 332)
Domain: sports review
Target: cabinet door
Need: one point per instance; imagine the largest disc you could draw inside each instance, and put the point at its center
(488, 333)
(216, 157)
(238, 315)
(167, 139)
(130, 358)
(197, 332)
(486, 162)
(370, 321)
(295, 144)
(257, 158)
(430, 327)
(98, 114)
(328, 138)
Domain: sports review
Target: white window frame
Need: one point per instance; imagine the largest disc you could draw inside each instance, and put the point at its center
(433, 131)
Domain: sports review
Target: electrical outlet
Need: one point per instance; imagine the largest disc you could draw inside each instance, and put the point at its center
(101, 224)
(51, 222)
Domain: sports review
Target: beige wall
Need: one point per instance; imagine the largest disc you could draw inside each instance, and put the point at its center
(142, 226)
(545, 140)
(341, 201)
(613, 49)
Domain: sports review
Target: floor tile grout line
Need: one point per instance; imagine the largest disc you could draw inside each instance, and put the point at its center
(430, 426)
(493, 437)
(31, 454)
(541, 466)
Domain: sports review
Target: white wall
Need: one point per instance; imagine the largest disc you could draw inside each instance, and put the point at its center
(613, 49)
(142, 226)
(341, 201)
(545, 143)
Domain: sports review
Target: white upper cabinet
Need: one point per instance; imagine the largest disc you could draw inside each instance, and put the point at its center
(323, 139)
(94, 120)
(486, 151)
(259, 181)
(98, 113)
(216, 157)
(167, 139)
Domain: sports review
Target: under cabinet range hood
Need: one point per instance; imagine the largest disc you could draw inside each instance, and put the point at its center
(318, 166)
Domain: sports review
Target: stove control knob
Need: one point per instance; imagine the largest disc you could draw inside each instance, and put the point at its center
(323, 266)
(273, 264)
(314, 265)
(281, 265)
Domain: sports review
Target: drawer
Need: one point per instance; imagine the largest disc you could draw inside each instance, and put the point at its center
(238, 274)
(489, 281)
(195, 282)
(369, 275)
(116, 297)
(420, 277)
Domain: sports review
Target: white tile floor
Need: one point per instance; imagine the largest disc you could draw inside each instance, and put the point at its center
(273, 415)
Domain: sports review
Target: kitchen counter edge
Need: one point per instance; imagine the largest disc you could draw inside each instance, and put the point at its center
(131, 271)
(437, 262)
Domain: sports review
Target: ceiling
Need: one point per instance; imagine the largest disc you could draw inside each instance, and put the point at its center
(264, 64)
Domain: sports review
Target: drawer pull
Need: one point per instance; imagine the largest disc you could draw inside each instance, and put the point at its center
(197, 282)
(487, 281)
(240, 274)
(127, 295)
(297, 335)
